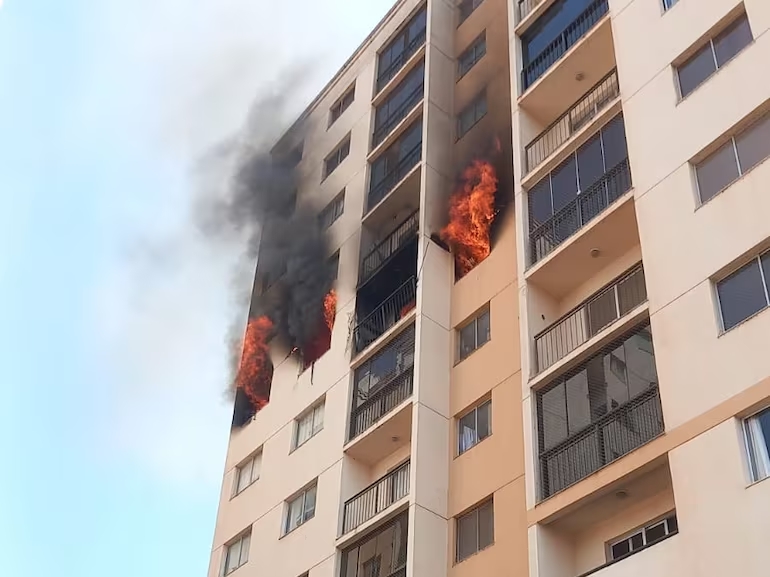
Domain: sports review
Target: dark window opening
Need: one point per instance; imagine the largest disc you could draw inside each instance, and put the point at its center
(467, 7)
(471, 114)
(342, 105)
(335, 158)
(472, 55)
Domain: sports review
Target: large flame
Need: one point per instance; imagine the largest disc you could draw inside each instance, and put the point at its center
(255, 373)
(471, 213)
(313, 350)
(330, 308)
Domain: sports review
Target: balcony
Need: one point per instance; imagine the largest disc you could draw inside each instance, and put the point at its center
(590, 318)
(578, 116)
(385, 250)
(569, 36)
(394, 165)
(598, 412)
(382, 383)
(398, 51)
(382, 553)
(399, 104)
(376, 498)
(394, 308)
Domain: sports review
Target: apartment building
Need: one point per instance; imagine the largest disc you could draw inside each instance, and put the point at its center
(592, 397)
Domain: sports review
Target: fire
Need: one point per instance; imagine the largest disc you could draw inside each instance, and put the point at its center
(313, 350)
(330, 308)
(255, 373)
(407, 307)
(471, 213)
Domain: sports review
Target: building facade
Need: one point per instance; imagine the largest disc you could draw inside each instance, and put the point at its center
(591, 398)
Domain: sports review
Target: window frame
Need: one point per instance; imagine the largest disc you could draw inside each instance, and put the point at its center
(754, 474)
(336, 156)
(250, 460)
(668, 4)
(238, 540)
(474, 4)
(317, 408)
(302, 494)
(487, 402)
(474, 320)
(757, 259)
(474, 511)
(716, 34)
(335, 208)
(341, 105)
(472, 50)
(472, 108)
(662, 519)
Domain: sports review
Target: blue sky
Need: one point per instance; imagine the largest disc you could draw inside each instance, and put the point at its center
(113, 310)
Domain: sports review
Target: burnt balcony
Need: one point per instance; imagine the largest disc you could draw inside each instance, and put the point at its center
(535, 65)
(591, 317)
(381, 553)
(598, 412)
(376, 498)
(382, 383)
(394, 164)
(578, 116)
(385, 250)
(399, 104)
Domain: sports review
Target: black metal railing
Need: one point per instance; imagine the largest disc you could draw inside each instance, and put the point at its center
(380, 190)
(387, 75)
(384, 250)
(545, 237)
(395, 307)
(589, 318)
(524, 7)
(616, 434)
(579, 114)
(398, 115)
(381, 402)
(536, 67)
(376, 498)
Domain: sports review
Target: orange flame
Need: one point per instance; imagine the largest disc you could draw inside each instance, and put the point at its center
(255, 373)
(471, 213)
(330, 308)
(407, 307)
(322, 342)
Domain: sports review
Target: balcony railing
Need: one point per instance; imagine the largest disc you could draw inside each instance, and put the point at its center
(563, 42)
(380, 190)
(384, 250)
(616, 434)
(381, 402)
(545, 237)
(376, 498)
(605, 91)
(398, 115)
(395, 307)
(387, 75)
(524, 7)
(591, 317)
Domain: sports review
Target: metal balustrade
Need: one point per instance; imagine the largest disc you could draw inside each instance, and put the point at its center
(590, 317)
(398, 115)
(545, 237)
(376, 498)
(574, 31)
(387, 314)
(384, 250)
(616, 434)
(380, 190)
(579, 114)
(524, 7)
(381, 402)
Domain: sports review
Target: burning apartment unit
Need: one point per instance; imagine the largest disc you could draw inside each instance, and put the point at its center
(477, 344)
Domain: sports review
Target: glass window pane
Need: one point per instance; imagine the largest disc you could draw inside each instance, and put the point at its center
(233, 556)
(244, 476)
(481, 107)
(304, 429)
(763, 419)
(732, 40)
(467, 340)
(483, 418)
(620, 549)
(615, 378)
(486, 525)
(467, 431)
(697, 69)
(467, 532)
(539, 199)
(673, 524)
(318, 418)
(590, 162)
(578, 401)
(257, 467)
(741, 295)
(716, 172)
(640, 363)
(637, 541)
(552, 407)
(482, 329)
(294, 514)
(245, 543)
(309, 511)
(754, 144)
(564, 184)
(614, 142)
(655, 532)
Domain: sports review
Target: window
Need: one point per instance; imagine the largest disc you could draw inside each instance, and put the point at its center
(335, 158)
(236, 553)
(474, 112)
(472, 55)
(393, 57)
(247, 472)
(475, 530)
(757, 430)
(467, 7)
(668, 4)
(334, 265)
(342, 104)
(309, 425)
(745, 292)
(332, 211)
(716, 53)
(395, 163)
(642, 538)
(399, 103)
(300, 509)
(474, 427)
(474, 334)
(733, 159)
